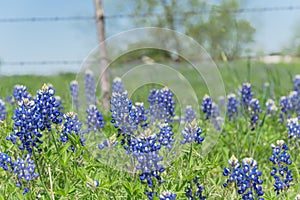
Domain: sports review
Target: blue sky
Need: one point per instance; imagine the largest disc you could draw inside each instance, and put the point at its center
(71, 40)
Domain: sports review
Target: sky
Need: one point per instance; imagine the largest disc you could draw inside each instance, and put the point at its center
(73, 40)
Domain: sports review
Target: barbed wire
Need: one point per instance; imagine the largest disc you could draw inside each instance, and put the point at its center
(194, 12)
(41, 62)
(79, 62)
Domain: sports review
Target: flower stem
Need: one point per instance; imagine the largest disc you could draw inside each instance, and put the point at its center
(51, 183)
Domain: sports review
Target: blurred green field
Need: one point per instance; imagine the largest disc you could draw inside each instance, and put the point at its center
(278, 76)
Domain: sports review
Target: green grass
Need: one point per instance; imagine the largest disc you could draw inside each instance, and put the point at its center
(69, 175)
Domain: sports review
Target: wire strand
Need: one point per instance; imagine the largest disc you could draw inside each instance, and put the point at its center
(89, 18)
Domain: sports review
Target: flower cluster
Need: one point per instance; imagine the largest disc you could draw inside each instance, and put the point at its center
(165, 136)
(47, 108)
(281, 173)
(294, 99)
(94, 119)
(254, 110)
(246, 95)
(284, 108)
(232, 107)
(19, 92)
(117, 85)
(121, 109)
(145, 150)
(74, 90)
(198, 193)
(293, 128)
(24, 169)
(161, 105)
(297, 83)
(2, 111)
(189, 114)
(246, 176)
(271, 108)
(5, 161)
(207, 103)
(212, 112)
(192, 133)
(167, 195)
(139, 115)
(90, 88)
(71, 125)
(25, 126)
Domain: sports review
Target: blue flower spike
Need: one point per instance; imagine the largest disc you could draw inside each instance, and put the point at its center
(2, 111)
(246, 177)
(281, 173)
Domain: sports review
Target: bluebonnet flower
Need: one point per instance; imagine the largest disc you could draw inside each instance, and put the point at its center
(207, 103)
(212, 112)
(121, 109)
(118, 85)
(246, 95)
(126, 117)
(198, 193)
(94, 119)
(90, 88)
(47, 108)
(167, 195)
(254, 110)
(138, 115)
(280, 172)
(19, 92)
(293, 128)
(294, 99)
(96, 183)
(2, 111)
(165, 136)
(70, 126)
(246, 176)
(192, 133)
(5, 161)
(92, 184)
(145, 150)
(284, 108)
(271, 108)
(150, 194)
(25, 170)
(161, 105)
(189, 114)
(297, 83)
(74, 90)
(25, 126)
(232, 107)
